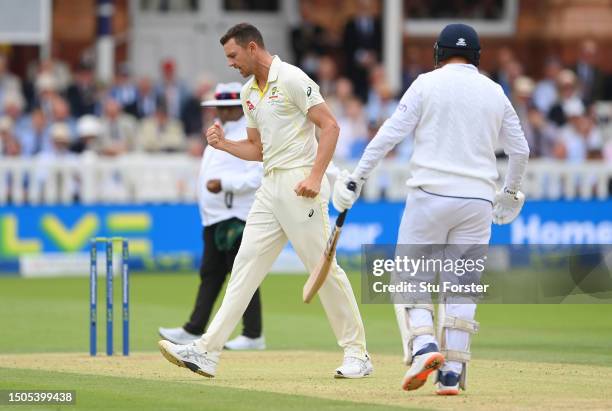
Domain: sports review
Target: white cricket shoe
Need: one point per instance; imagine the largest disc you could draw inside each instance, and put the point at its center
(190, 356)
(354, 367)
(245, 343)
(424, 362)
(177, 335)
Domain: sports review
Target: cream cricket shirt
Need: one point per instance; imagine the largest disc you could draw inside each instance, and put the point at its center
(279, 112)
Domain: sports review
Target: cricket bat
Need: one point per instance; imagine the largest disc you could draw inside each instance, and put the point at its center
(318, 276)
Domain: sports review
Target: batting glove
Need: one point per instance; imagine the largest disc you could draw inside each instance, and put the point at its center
(507, 205)
(343, 198)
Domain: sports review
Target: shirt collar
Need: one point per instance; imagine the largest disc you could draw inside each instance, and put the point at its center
(460, 66)
(272, 73)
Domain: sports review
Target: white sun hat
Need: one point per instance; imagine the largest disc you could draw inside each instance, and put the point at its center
(226, 94)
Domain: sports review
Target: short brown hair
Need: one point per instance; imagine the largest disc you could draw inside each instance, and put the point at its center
(243, 34)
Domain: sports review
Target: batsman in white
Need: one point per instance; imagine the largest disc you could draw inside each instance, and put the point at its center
(282, 106)
(457, 117)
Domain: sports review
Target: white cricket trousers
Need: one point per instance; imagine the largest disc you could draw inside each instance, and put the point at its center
(278, 215)
(434, 219)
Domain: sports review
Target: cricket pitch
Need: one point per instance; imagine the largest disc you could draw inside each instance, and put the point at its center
(503, 385)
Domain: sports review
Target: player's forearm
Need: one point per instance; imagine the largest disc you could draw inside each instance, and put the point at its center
(327, 145)
(517, 163)
(244, 149)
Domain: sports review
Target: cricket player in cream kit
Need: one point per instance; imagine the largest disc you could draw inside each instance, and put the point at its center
(457, 117)
(282, 106)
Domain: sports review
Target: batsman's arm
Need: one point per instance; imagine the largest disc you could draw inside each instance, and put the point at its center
(249, 149)
(395, 129)
(515, 145)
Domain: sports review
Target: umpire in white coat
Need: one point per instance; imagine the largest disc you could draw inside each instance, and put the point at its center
(226, 191)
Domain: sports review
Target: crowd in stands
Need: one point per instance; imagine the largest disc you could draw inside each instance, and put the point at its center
(59, 110)
(56, 111)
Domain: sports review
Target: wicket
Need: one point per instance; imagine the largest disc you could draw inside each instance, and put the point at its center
(93, 294)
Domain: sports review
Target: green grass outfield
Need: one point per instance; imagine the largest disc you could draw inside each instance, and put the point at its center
(51, 316)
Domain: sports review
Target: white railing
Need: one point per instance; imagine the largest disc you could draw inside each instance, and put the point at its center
(171, 178)
(134, 178)
(544, 179)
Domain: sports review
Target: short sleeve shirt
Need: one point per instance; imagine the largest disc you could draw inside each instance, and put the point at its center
(279, 112)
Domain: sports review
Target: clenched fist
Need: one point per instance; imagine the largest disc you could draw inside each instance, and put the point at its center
(308, 187)
(215, 136)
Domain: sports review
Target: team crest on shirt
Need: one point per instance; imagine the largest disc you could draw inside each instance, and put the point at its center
(275, 97)
(250, 105)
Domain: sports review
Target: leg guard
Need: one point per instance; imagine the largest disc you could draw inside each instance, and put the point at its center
(408, 332)
(446, 322)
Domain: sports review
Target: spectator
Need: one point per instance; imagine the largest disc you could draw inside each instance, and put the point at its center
(353, 130)
(362, 43)
(60, 142)
(539, 134)
(545, 93)
(58, 153)
(12, 106)
(82, 93)
(381, 101)
(34, 137)
(412, 66)
(9, 146)
(505, 58)
(59, 71)
(60, 113)
(117, 130)
(342, 93)
(46, 92)
(89, 130)
(192, 115)
(381, 104)
(160, 132)
(308, 41)
(326, 76)
(590, 77)
(567, 89)
(124, 90)
(543, 133)
(146, 100)
(579, 139)
(8, 82)
(171, 89)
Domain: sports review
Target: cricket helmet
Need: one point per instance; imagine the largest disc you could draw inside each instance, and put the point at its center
(457, 40)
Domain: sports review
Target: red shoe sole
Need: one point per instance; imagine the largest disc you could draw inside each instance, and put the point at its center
(448, 392)
(418, 380)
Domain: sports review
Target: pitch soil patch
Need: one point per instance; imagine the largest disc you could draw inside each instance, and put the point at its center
(500, 385)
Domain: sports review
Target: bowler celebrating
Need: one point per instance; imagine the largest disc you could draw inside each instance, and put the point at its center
(282, 106)
(456, 117)
(226, 191)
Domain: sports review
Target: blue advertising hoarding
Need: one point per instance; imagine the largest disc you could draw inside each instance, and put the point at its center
(169, 236)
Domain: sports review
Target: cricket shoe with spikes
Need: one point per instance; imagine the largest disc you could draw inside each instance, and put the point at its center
(424, 362)
(177, 335)
(448, 383)
(354, 367)
(191, 357)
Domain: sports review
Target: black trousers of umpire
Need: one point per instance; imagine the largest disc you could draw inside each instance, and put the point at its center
(215, 266)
